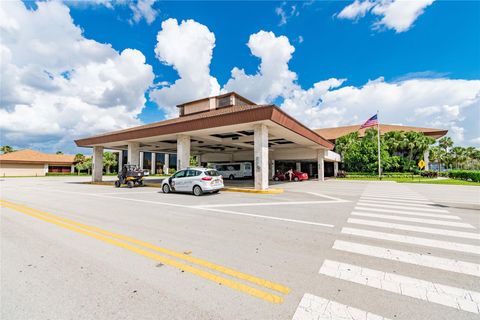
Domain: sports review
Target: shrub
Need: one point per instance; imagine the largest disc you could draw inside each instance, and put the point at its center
(468, 175)
(429, 174)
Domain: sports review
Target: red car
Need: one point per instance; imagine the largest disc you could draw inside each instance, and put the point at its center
(297, 176)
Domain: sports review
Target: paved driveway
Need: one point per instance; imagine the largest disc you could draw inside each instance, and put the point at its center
(332, 250)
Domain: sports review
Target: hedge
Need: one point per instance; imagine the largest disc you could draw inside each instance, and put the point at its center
(468, 175)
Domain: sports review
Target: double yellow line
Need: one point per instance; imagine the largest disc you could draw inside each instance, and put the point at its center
(138, 246)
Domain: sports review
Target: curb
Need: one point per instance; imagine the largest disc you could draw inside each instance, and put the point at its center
(268, 191)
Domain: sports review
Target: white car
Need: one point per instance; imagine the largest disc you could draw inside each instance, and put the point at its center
(195, 180)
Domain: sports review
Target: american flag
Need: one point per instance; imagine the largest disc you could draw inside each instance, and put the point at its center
(373, 121)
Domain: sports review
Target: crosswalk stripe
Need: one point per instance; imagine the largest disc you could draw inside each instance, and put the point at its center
(375, 198)
(395, 203)
(440, 244)
(462, 299)
(410, 213)
(312, 307)
(402, 207)
(424, 260)
(393, 196)
(420, 220)
(407, 227)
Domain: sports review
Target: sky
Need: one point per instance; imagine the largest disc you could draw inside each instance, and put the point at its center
(72, 69)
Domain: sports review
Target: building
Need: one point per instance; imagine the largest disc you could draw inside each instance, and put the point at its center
(34, 163)
(332, 134)
(223, 128)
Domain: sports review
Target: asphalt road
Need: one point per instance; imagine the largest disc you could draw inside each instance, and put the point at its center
(332, 250)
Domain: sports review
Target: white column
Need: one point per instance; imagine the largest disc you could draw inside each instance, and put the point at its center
(272, 169)
(72, 169)
(426, 155)
(260, 151)
(97, 164)
(335, 169)
(166, 165)
(133, 156)
(183, 151)
(321, 164)
(141, 160)
(45, 168)
(298, 166)
(120, 160)
(153, 166)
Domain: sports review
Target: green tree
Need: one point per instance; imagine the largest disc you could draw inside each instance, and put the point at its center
(84, 165)
(109, 160)
(79, 158)
(6, 149)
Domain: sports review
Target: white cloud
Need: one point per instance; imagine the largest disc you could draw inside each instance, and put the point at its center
(286, 11)
(436, 102)
(141, 9)
(273, 77)
(188, 48)
(356, 10)
(395, 14)
(57, 85)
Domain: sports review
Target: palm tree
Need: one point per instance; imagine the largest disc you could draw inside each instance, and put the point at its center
(109, 160)
(79, 159)
(436, 156)
(6, 149)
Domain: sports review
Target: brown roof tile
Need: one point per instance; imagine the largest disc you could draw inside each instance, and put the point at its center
(32, 156)
(337, 132)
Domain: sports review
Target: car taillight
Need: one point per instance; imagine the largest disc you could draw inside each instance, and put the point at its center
(207, 178)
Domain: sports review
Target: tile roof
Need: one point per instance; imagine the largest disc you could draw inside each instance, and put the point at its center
(32, 156)
(337, 132)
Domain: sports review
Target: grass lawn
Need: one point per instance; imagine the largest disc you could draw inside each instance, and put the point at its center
(416, 179)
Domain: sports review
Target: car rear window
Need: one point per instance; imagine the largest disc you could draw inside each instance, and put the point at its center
(212, 173)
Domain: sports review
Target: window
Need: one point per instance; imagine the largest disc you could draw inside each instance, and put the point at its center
(179, 174)
(193, 173)
(212, 173)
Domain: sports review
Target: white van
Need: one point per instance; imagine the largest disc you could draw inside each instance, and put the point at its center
(234, 170)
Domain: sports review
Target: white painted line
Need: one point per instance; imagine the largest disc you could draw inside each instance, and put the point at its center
(254, 204)
(400, 207)
(420, 220)
(267, 217)
(316, 308)
(328, 197)
(386, 196)
(397, 203)
(205, 209)
(406, 227)
(418, 259)
(410, 213)
(447, 245)
(458, 298)
(382, 199)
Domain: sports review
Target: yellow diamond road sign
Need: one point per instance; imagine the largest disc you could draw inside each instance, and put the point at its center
(421, 164)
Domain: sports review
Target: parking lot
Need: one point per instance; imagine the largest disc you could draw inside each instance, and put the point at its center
(319, 250)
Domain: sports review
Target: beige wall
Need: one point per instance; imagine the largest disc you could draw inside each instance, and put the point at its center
(196, 107)
(13, 169)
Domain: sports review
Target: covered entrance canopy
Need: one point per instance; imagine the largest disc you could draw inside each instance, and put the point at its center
(222, 128)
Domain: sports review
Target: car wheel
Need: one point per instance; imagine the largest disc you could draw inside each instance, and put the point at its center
(166, 188)
(197, 191)
(117, 184)
(130, 184)
(295, 179)
(231, 177)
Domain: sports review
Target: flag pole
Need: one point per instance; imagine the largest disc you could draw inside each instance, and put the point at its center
(378, 136)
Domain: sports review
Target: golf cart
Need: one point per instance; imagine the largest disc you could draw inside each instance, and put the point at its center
(131, 175)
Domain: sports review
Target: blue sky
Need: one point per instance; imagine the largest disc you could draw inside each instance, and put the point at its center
(437, 52)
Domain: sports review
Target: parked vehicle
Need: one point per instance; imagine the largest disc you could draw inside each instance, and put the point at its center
(297, 176)
(131, 175)
(234, 170)
(195, 180)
